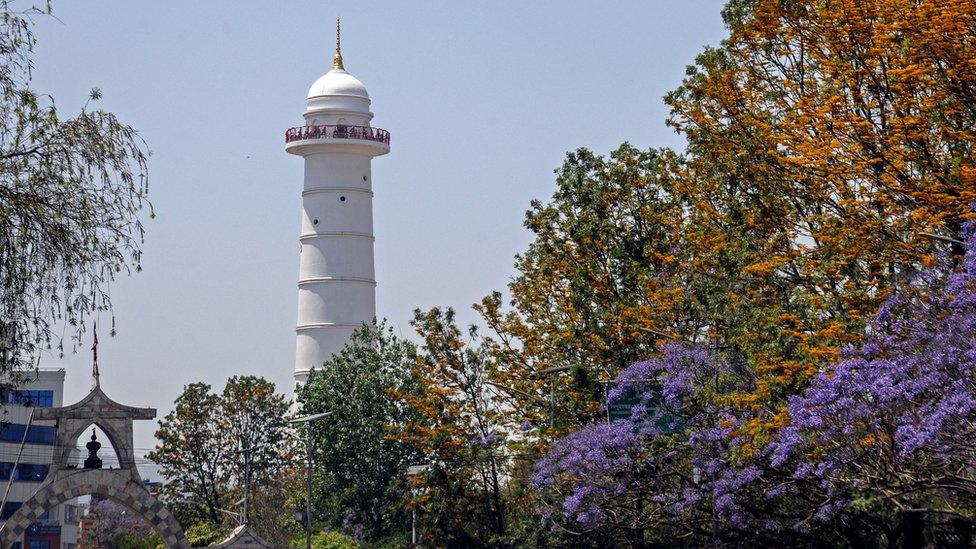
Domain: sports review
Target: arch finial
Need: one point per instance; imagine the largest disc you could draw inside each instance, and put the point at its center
(337, 59)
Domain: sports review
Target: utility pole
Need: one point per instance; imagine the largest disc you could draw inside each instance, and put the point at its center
(412, 471)
(247, 479)
(308, 480)
(308, 485)
(552, 390)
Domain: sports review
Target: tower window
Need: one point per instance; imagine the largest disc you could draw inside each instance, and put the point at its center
(364, 178)
(315, 222)
(342, 199)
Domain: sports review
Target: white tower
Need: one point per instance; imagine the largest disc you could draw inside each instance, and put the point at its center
(336, 281)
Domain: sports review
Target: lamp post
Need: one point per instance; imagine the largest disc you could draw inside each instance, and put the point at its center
(415, 470)
(308, 455)
(247, 477)
(239, 517)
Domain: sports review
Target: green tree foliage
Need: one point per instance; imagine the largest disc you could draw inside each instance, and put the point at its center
(200, 442)
(360, 486)
(599, 285)
(202, 534)
(192, 454)
(330, 540)
(71, 191)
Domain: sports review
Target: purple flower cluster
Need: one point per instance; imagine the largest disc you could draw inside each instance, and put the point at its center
(598, 460)
(114, 521)
(594, 475)
(904, 405)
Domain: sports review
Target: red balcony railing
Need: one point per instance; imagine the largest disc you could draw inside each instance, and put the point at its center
(337, 132)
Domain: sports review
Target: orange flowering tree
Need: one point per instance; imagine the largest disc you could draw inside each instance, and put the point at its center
(458, 431)
(840, 134)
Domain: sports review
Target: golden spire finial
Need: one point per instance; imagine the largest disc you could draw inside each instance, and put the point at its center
(337, 59)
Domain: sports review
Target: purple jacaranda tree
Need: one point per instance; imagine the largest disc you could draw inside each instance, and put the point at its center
(890, 431)
(660, 473)
(115, 523)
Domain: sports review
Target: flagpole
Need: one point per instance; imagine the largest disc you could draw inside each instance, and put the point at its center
(95, 380)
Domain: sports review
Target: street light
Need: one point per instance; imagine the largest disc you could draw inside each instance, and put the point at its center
(308, 454)
(247, 477)
(412, 471)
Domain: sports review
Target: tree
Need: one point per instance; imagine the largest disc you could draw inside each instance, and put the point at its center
(332, 540)
(826, 142)
(599, 285)
(201, 442)
(884, 437)
(667, 472)
(254, 420)
(71, 191)
(192, 454)
(878, 449)
(835, 132)
(274, 499)
(116, 527)
(202, 534)
(360, 485)
(459, 430)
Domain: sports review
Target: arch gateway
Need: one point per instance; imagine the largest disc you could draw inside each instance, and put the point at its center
(66, 480)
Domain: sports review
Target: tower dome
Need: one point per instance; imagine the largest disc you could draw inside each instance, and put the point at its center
(338, 82)
(337, 92)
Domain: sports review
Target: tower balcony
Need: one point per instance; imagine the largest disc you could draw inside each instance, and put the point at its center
(302, 140)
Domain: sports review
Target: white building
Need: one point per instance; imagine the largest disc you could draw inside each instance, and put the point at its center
(336, 280)
(58, 528)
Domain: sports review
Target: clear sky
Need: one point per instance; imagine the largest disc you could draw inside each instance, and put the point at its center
(483, 99)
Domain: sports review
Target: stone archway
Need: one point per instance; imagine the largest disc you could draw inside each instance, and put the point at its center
(66, 480)
(106, 483)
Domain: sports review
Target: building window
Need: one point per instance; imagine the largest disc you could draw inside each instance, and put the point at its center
(25, 472)
(9, 509)
(38, 434)
(25, 397)
(40, 544)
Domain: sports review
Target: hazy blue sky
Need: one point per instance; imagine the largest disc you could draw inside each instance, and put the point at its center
(483, 100)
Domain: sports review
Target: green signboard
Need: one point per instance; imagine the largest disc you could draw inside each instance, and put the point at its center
(622, 407)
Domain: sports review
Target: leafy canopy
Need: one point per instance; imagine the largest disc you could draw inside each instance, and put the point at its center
(71, 193)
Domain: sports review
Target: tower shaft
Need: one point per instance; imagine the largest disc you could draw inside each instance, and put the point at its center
(336, 281)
